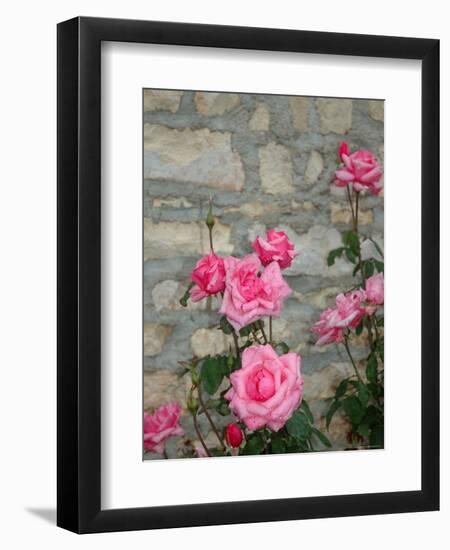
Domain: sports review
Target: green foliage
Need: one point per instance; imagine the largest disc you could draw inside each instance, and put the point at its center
(336, 253)
(298, 426)
(255, 444)
(225, 325)
(213, 370)
(184, 299)
(281, 348)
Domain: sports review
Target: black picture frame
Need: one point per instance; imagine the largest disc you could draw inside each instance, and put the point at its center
(79, 280)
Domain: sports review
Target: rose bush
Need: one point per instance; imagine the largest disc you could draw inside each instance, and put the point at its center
(360, 169)
(276, 247)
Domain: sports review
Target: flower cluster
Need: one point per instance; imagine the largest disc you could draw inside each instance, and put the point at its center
(350, 309)
(252, 287)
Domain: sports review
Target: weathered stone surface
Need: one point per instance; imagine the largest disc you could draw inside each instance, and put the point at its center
(213, 103)
(335, 115)
(168, 239)
(163, 386)
(376, 110)
(275, 169)
(175, 202)
(166, 296)
(342, 214)
(314, 247)
(322, 384)
(206, 341)
(155, 336)
(260, 120)
(255, 209)
(200, 156)
(314, 167)
(162, 100)
(300, 112)
(321, 299)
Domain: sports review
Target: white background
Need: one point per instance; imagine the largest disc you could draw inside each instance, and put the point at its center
(127, 481)
(28, 238)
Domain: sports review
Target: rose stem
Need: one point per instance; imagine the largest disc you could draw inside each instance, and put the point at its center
(270, 329)
(351, 206)
(197, 429)
(255, 336)
(261, 328)
(165, 454)
(210, 224)
(351, 358)
(236, 345)
(208, 416)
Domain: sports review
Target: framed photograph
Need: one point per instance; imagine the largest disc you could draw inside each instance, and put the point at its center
(248, 260)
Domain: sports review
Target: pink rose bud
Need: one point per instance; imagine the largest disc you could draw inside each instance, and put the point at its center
(249, 294)
(344, 149)
(361, 169)
(267, 389)
(161, 425)
(275, 248)
(208, 276)
(233, 435)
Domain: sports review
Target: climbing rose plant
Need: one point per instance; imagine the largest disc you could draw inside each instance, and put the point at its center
(358, 312)
(258, 382)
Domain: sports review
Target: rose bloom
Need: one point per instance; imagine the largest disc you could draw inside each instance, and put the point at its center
(233, 435)
(361, 169)
(248, 295)
(348, 313)
(374, 292)
(161, 425)
(208, 276)
(275, 248)
(267, 389)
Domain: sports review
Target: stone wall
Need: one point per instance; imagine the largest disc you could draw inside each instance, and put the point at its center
(267, 161)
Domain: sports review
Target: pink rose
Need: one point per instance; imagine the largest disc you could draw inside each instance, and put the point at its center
(250, 295)
(276, 248)
(374, 292)
(267, 389)
(208, 276)
(233, 435)
(361, 169)
(161, 425)
(348, 313)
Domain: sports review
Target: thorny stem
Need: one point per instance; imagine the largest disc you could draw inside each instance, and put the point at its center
(199, 434)
(211, 240)
(351, 358)
(270, 330)
(165, 454)
(208, 416)
(236, 345)
(261, 328)
(351, 206)
(356, 213)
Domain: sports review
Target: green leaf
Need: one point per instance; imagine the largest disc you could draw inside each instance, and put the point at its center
(371, 369)
(368, 268)
(341, 389)
(245, 331)
(354, 409)
(336, 253)
(223, 409)
(351, 240)
(359, 328)
(307, 411)
(363, 429)
(321, 437)
(254, 445)
(379, 265)
(298, 426)
(376, 438)
(278, 445)
(283, 347)
(225, 325)
(335, 406)
(212, 373)
(351, 256)
(363, 394)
